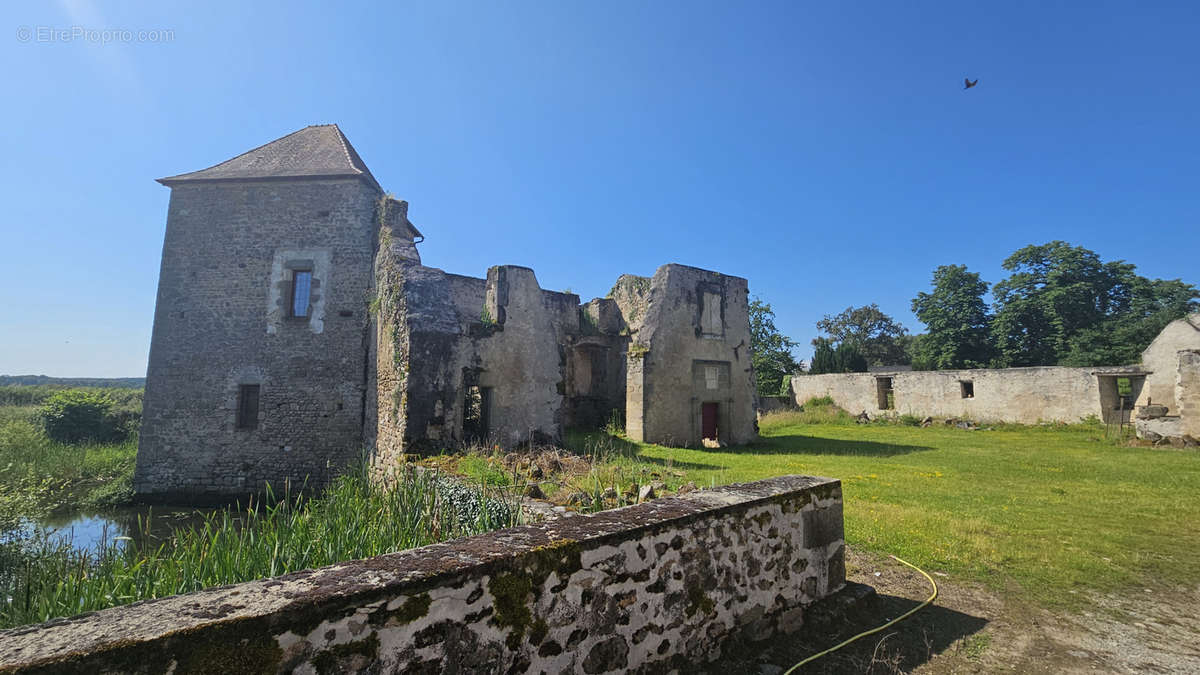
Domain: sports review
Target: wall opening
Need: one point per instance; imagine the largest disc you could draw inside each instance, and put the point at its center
(708, 421)
(966, 388)
(301, 292)
(885, 394)
(1118, 393)
(247, 406)
(477, 404)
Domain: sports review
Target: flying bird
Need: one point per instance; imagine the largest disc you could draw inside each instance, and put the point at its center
(969, 83)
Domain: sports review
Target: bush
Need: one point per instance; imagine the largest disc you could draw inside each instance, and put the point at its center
(77, 416)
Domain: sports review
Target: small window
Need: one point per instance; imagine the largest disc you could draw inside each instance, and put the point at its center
(884, 393)
(301, 291)
(247, 409)
(967, 388)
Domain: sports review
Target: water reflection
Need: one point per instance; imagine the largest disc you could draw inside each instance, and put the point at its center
(143, 525)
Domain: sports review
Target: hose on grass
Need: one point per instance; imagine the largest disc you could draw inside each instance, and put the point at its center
(894, 621)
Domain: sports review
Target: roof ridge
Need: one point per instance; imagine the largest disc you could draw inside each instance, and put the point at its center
(316, 150)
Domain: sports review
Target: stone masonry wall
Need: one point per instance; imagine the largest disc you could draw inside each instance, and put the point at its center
(440, 334)
(1187, 392)
(1161, 358)
(221, 321)
(1022, 395)
(649, 588)
(692, 347)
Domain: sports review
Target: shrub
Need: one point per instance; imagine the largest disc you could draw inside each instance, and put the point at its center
(77, 416)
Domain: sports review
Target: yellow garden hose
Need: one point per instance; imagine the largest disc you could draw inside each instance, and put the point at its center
(894, 621)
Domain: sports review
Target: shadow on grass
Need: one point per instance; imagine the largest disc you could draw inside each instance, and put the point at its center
(604, 447)
(900, 648)
(796, 444)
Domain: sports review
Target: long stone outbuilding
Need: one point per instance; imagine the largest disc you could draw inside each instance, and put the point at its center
(296, 326)
(1160, 395)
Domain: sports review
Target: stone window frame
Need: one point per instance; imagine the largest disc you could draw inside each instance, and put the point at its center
(703, 291)
(966, 388)
(280, 300)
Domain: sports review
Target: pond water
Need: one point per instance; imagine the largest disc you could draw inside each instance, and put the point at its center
(144, 525)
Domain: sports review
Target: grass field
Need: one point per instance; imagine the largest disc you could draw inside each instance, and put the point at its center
(1054, 510)
(1053, 513)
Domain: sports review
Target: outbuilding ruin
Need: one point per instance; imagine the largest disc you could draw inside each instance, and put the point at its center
(1160, 396)
(296, 326)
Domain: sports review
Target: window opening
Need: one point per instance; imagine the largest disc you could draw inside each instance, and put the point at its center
(247, 409)
(301, 291)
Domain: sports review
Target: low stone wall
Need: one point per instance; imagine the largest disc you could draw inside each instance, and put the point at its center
(647, 588)
(1022, 395)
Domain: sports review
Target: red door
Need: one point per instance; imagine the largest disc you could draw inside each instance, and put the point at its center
(708, 420)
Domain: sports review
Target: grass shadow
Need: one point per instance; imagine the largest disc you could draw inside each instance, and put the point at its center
(794, 444)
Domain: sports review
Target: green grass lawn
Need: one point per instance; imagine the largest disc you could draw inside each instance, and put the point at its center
(1058, 512)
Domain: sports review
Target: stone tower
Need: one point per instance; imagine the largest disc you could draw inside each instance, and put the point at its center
(259, 363)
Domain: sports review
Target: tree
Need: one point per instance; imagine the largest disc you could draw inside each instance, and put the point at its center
(1120, 339)
(842, 358)
(875, 334)
(824, 358)
(770, 351)
(959, 326)
(1063, 305)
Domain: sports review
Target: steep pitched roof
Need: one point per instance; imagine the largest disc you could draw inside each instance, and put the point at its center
(317, 151)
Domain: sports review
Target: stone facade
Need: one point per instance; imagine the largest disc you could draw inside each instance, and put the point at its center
(1021, 395)
(221, 322)
(1187, 393)
(1161, 358)
(296, 328)
(658, 587)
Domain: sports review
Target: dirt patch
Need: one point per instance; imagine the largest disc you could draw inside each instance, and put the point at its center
(970, 629)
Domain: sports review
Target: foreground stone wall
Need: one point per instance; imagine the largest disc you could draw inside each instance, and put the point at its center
(648, 588)
(1022, 395)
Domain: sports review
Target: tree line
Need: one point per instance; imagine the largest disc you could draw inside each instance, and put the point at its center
(1060, 305)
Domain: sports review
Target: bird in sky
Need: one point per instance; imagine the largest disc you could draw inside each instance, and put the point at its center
(969, 83)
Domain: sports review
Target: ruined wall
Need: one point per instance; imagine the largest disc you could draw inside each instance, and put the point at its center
(442, 334)
(1161, 358)
(648, 588)
(690, 347)
(221, 321)
(595, 372)
(1187, 392)
(1023, 395)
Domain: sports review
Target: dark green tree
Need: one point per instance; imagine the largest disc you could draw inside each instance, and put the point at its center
(959, 326)
(841, 358)
(770, 351)
(850, 358)
(1120, 339)
(824, 358)
(876, 335)
(1062, 304)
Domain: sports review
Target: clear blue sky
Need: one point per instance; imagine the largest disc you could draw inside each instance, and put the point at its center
(825, 151)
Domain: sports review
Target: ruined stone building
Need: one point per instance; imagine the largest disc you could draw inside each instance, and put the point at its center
(295, 326)
(1167, 375)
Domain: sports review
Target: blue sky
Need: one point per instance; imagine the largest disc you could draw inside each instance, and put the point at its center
(827, 152)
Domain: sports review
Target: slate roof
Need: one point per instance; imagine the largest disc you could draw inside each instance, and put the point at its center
(317, 151)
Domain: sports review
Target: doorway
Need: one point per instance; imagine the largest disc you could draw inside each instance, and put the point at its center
(708, 421)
